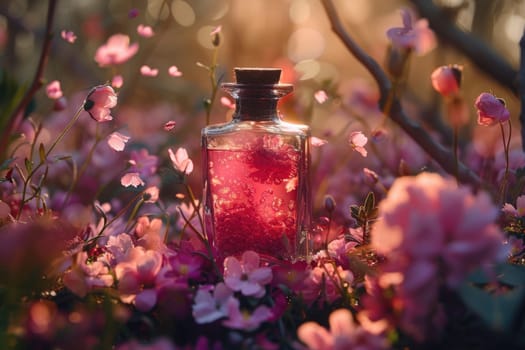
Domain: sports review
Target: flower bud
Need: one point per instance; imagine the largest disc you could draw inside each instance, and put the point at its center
(447, 79)
(329, 203)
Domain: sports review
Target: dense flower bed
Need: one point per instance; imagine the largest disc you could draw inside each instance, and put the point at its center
(103, 243)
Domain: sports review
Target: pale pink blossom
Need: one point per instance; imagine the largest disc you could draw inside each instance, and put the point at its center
(491, 110)
(174, 71)
(99, 102)
(143, 163)
(117, 81)
(242, 320)
(170, 125)
(226, 102)
(53, 90)
(417, 36)
(317, 142)
(145, 31)
(153, 193)
(117, 141)
(357, 141)
(84, 276)
(180, 160)
(119, 246)
(131, 179)
(211, 305)
(68, 36)
(148, 71)
(517, 211)
(447, 79)
(320, 96)
(117, 50)
(136, 278)
(343, 334)
(246, 275)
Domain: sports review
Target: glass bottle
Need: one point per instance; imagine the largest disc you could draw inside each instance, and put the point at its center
(256, 173)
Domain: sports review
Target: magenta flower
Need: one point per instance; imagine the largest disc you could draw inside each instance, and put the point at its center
(174, 71)
(357, 141)
(246, 275)
(53, 90)
(211, 305)
(491, 110)
(117, 50)
(68, 36)
(117, 141)
(99, 102)
(447, 79)
(145, 31)
(418, 36)
(343, 334)
(180, 160)
(148, 71)
(243, 320)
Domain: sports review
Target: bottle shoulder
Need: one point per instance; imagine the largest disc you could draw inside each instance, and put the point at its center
(275, 127)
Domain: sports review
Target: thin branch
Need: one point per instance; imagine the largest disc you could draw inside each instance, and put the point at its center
(483, 56)
(444, 157)
(16, 117)
(522, 89)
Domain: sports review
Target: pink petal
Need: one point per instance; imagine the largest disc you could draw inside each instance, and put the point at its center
(174, 71)
(341, 322)
(68, 36)
(145, 31)
(317, 142)
(117, 141)
(53, 90)
(315, 336)
(226, 102)
(321, 96)
(170, 125)
(148, 71)
(117, 81)
(131, 179)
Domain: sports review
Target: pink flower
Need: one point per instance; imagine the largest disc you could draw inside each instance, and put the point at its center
(84, 276)
(327, 280)
(136, 278)
(358, 141)
(517, 211)
(170, 125)
(99, 102)
(317, 142)
(117, 141)
(145, 31)
(181, 161)
(413, 36)
(209, 307)
(148, 71)
(344, 334)
(153, 193)
(53, 90)
(131, 179)
(226, 102)
(321, 96)
(68, 36)
(117, 50)
(242, 320)
(143, 163)
(447, 79)
(117, 81)
(491, 110)
(174, 71)
(246, 275)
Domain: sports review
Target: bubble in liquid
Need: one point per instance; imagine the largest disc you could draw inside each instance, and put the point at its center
(277, 203)
(291, 205)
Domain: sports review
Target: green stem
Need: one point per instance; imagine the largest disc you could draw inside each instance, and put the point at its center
(506, 146)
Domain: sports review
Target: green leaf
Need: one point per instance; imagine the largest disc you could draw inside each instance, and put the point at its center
(370, 203)
(28, 164)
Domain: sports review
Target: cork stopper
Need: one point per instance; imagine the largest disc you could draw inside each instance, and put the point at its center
(257, 76)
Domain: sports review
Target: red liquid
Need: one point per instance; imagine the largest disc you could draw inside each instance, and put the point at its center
(254, 198)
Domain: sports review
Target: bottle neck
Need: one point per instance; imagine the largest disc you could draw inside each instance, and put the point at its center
(256, 109)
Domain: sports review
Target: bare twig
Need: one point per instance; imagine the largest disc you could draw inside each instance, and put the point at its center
(487, 59)
(16, 117)
(441, 155)
(522, 89)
